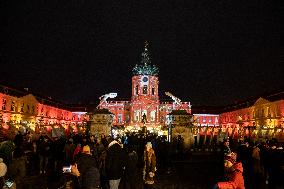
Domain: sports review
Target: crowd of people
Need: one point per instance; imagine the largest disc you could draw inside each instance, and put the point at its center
(250, 165)
(129, 162)
(82, 161)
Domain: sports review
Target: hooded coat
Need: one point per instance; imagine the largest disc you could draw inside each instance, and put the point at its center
(89, 172)
(115, 161)
(235, 179)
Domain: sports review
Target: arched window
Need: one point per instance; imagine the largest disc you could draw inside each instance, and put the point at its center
(22, 107)
(145, 89)
(153, 115)
(4, 104)
(136, 90)
(13, 106)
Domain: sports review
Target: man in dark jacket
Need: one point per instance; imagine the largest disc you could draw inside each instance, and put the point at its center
(87, 167)
(115, 163)
(44, 154)
(131, 169)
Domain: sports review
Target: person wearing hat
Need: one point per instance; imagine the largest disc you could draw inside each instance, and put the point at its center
(234, 174)
(131, 168)
(149, 168)
(69, 149)
(86, 169)
(114, 163)
(235, 177)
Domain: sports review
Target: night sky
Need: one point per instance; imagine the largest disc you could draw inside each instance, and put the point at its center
(208, 52)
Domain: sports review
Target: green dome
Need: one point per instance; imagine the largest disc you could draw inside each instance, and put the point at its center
(145, 67)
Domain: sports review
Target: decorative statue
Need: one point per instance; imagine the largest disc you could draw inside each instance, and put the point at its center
(144, 118)
(103, 98)
(177, 101)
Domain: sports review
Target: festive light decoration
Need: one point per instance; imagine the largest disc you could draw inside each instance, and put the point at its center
(145, 68)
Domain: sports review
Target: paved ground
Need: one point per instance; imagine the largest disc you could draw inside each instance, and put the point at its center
(196, 172)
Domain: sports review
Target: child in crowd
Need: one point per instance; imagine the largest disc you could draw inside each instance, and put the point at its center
(233, 174)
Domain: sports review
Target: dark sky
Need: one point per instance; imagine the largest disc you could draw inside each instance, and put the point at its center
(208, 52)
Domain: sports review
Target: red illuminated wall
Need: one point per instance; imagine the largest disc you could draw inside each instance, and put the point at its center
(262, 116)
(26, 110)
(144, 99)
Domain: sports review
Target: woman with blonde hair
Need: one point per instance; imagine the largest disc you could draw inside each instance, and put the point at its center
(149, 166)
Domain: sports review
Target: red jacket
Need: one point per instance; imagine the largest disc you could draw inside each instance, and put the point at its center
(236, 179)
(77, 150)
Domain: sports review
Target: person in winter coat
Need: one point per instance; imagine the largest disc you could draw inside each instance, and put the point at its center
(88, 170)
(77, 151)
(44, 152)
(19, 139)
(115, 163)
(3, 171)
(6, 151)
(102, 167)
(131, 169)
(234, 175)
(256, 159)
(17, 169)
(149, 165)
(69, 150)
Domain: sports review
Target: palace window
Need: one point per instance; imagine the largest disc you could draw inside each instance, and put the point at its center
(277, 111)
(22, 107)
(127, 119)
(216, 119)
(136, 116)
(13, 106)
(136, 90)
(153, 115)
(153, 91)
(28, 108)
(268, 112)
(210, 119)
(4, 104)
(145, 89)
(119, 117)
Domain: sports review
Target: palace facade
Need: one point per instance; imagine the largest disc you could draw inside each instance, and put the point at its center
(144, 108)
(258, 119)
(21, 110)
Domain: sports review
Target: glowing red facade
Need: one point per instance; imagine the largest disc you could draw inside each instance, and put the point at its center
(145, 106)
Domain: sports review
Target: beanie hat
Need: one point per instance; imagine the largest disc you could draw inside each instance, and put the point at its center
(231, 158)
(86, 149)
(3, 168)
(149, 144)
